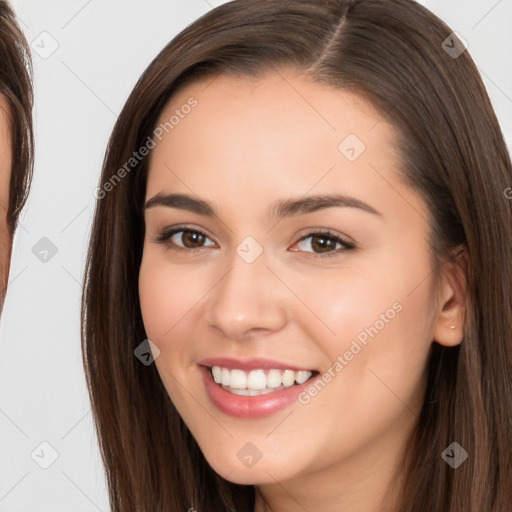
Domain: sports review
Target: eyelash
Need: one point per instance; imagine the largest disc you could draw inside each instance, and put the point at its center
(164, 236)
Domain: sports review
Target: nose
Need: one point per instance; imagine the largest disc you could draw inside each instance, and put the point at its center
(248, 300)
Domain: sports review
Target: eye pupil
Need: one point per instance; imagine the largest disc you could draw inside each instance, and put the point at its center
(193, 236)
(326, 244)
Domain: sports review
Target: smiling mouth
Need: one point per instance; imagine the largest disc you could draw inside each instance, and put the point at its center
(258, 382)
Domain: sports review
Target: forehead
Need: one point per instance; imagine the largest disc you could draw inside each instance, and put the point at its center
(280, 135)
(284, 110)
(287, 100)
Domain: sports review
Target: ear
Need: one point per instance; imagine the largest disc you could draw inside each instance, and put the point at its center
(451, 313)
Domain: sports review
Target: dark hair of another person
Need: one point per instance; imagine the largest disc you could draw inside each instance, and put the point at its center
(16, 86)
(452, 153)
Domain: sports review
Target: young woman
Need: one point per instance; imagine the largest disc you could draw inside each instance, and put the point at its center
(303, 207)
(16, 138)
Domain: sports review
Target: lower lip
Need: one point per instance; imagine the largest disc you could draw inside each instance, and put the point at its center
(250, 406)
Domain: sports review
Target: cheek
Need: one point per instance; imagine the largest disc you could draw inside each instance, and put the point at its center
(167, 298)
(343, 304)
(376, 354)
(167, 294)
(377, 319)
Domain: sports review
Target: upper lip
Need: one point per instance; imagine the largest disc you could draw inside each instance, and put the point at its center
(250, 364)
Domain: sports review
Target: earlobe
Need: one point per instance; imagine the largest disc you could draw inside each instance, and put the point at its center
(451, 313)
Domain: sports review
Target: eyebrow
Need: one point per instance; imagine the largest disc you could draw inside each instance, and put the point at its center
(280, 209)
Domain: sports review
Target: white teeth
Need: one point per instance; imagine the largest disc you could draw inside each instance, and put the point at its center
(302, 376)
(257, 382)
(217, 374)
(225, 377)
(274, 378)
(288, 377)
(238, 379)
(249, 392)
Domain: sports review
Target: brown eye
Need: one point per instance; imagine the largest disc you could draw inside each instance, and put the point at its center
(324, 244)
(191, 238)
(183, 239)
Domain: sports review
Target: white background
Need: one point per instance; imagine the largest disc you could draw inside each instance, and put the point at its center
(103, 47)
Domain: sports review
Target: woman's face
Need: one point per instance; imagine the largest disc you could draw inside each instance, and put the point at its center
(5, 176)
(254, 290)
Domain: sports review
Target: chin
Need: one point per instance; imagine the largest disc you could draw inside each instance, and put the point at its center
(260, 473)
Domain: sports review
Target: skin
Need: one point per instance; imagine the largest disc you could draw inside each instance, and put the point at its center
(5, 176)
(247, 144)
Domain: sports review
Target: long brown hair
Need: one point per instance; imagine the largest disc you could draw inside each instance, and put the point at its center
(400, 57)
(16, 86)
